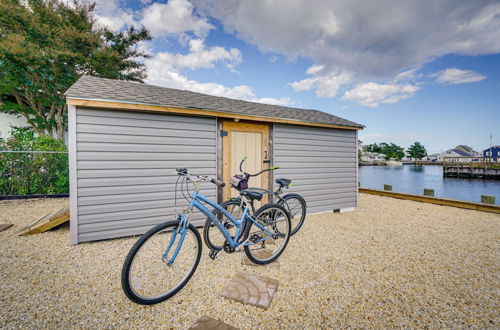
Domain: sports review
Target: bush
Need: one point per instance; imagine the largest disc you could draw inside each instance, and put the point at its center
(33, 173)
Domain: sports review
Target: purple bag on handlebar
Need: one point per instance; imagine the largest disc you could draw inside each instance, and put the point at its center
(239, 182)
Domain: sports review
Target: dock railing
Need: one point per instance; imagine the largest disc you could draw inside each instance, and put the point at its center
(471, 160)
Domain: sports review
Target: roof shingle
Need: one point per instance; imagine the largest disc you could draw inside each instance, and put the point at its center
(92, 88)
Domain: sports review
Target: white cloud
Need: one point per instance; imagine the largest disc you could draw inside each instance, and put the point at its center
(354, 41)
(161, 72)
(174, 18)
(371, 40)
(457, 76)
(109, 13)
(201, 57)
(405, 138)
(373, 94)
(271, 100)
(325, 84)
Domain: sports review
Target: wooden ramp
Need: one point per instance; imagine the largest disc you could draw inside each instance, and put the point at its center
(46, 222)
(5, 226)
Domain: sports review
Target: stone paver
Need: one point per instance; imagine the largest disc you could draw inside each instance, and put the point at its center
(251, 289)
(208, 323)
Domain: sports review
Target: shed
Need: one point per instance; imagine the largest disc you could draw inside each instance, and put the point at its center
(125, 140)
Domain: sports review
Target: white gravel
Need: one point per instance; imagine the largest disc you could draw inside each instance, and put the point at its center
(391, 263)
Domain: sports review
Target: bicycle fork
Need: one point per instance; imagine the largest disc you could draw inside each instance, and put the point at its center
(180, 230)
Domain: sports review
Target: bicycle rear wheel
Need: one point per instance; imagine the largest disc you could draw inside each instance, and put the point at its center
(211, 233)
(267, 245)
(147, 277)
(296, 206)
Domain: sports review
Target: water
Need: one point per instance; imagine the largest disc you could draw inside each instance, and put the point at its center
(413, 179)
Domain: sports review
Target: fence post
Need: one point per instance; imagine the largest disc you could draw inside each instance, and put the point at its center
(388, 187)
(488, 199)
(428, 192)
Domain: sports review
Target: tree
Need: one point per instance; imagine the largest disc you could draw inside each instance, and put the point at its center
(391, 151)
(417, 151)
(46, 45)
(372, 148)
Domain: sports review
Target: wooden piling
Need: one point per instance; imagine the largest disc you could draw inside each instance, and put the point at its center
(428, 192)
(487, 199)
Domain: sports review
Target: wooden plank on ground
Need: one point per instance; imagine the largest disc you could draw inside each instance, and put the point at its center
(46, 222)
(4, 226)
(434, 200)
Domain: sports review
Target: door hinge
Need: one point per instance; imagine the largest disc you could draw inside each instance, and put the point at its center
(223, 132)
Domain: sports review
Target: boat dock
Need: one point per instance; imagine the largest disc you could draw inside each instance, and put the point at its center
(471, 167)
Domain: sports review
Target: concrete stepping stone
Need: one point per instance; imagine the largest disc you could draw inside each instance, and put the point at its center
(251, 289)
(206, 323)
(264, 253)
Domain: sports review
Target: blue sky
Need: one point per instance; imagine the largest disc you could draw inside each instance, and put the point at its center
(419, 70)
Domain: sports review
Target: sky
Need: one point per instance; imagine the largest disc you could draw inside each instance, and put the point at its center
(409, 70)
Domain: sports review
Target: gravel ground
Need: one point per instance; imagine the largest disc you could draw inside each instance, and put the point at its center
(391, 263)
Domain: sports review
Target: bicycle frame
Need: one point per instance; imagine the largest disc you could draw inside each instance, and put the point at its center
(196, 202)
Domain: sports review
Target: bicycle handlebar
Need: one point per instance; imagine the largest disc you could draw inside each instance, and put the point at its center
(185, 171)
(241, 163)
(249, 175)
(218, 182)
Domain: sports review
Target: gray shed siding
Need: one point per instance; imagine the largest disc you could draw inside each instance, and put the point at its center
(321, 162)
(124, 163)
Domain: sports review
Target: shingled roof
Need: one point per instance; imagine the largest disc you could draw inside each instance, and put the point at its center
(101, 89)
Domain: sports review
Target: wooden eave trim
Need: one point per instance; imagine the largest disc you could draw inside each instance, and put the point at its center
(209, 113)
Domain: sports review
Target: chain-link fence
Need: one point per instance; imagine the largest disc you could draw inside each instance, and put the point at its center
(33, 172)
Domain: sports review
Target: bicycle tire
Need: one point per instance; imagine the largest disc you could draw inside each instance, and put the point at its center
(211, 234)
(271, 210)
(303, 204)
(126, 280)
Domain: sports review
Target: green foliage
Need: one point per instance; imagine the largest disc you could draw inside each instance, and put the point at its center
(33, 173)
(46, 45)
(390, 150)
(417, 151)
(372, 148)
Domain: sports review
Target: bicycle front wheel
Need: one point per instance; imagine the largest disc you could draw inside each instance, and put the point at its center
(268, 234)
(151, 275)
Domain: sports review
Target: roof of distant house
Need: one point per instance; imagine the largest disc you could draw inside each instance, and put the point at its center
(492, 147)
(465, 148)
(462, 153)
(101, 89)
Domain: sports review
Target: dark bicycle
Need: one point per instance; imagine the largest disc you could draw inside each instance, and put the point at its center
(293, 203)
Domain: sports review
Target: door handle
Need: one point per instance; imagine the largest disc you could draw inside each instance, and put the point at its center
(266, 161)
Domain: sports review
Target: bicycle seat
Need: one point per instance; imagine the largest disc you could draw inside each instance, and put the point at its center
(283, 182)
(252, 194)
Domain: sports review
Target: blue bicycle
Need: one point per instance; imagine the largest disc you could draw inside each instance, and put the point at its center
(165, 258)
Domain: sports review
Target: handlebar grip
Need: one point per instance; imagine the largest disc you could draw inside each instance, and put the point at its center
(241, 163)
(218, 183)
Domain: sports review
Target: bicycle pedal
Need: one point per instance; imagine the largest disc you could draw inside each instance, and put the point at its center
(213, 254)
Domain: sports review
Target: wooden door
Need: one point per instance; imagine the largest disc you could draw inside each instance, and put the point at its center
(252, 141)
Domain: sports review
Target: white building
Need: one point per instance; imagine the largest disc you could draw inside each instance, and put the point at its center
(6, 123)
(455, 153)
(372, 157)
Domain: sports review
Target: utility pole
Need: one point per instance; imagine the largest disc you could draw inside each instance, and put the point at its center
(491, 153)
